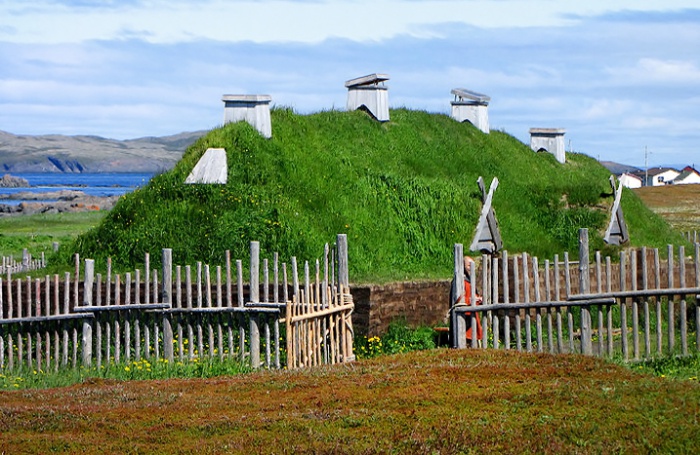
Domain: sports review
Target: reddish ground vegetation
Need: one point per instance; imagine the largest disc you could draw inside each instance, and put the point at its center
(677, 204)
(439, 401)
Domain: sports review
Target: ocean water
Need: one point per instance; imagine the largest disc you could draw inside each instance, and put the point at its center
(105, 184)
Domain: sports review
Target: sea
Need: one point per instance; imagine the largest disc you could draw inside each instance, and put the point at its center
(98, 184)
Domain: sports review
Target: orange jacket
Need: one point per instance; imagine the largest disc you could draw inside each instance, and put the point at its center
(467, 299)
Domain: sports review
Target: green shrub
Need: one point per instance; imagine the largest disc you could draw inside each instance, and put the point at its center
(398, 338)
(676, 367)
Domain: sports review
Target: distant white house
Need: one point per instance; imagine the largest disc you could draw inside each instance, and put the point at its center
(686, 176)
(658, 176)
(630, 180)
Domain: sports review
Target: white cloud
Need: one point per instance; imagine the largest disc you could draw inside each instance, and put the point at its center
(119, 121)
(601, 109)
(162, 21)
(638, 122)
(616, 82)
(526, 76)
(657, 71)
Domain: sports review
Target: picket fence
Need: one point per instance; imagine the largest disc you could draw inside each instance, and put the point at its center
(27, 264)
(53, 322)
(639, 307)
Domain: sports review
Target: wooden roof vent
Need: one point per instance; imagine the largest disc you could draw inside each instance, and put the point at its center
(369, 94)
(254, 109)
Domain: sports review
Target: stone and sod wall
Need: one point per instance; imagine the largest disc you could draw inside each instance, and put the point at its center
(420, 303)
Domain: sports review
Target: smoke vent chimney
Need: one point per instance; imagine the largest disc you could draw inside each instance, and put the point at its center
(549, 140)
(369, 93)
(254, 109)
(471, 107)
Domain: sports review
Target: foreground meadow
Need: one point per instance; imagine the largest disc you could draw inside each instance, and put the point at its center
(435, 401)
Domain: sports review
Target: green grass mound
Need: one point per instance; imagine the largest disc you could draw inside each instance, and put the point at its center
(404, 191)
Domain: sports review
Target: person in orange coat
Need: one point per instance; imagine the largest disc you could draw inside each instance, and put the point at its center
(466, 300)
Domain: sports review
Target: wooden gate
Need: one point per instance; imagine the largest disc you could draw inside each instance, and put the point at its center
(318, 320)
(320, 334)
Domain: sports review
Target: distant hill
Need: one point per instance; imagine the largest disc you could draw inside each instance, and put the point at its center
(404, 191)
(617, 168)
(58, 153)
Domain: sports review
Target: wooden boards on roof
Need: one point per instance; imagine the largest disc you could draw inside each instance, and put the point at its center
(470, 96)
(370, 79)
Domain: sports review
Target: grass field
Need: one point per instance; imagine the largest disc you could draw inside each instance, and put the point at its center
(679, 205)
(38, 232)
(436, 401)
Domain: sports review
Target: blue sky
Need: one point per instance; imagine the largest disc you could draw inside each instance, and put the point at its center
(618, 75)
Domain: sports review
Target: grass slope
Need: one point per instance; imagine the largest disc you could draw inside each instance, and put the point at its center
(437, 401)
(404, 191)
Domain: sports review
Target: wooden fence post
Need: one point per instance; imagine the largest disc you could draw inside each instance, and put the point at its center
(584, 288)
(324, 294)
(671, 311)
(167, 297)
(229, 281)
(683, 309)
(635, 305)
(458, 324)
(344, 284)
(486, 299)
(623, 305)
(506, 298)
(343, 272)
(254, 298)
(697, 284)
(87, 301)
(526, 296)
(647, 314)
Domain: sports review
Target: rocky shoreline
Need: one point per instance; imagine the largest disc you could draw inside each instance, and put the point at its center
(66, 201)
(10, 181)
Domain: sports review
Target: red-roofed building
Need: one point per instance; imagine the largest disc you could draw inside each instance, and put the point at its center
(687, 175)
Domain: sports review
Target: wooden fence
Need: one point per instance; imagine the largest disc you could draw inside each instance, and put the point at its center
(52, 322)
(692, 236)
(27, 264)
(637, 308)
